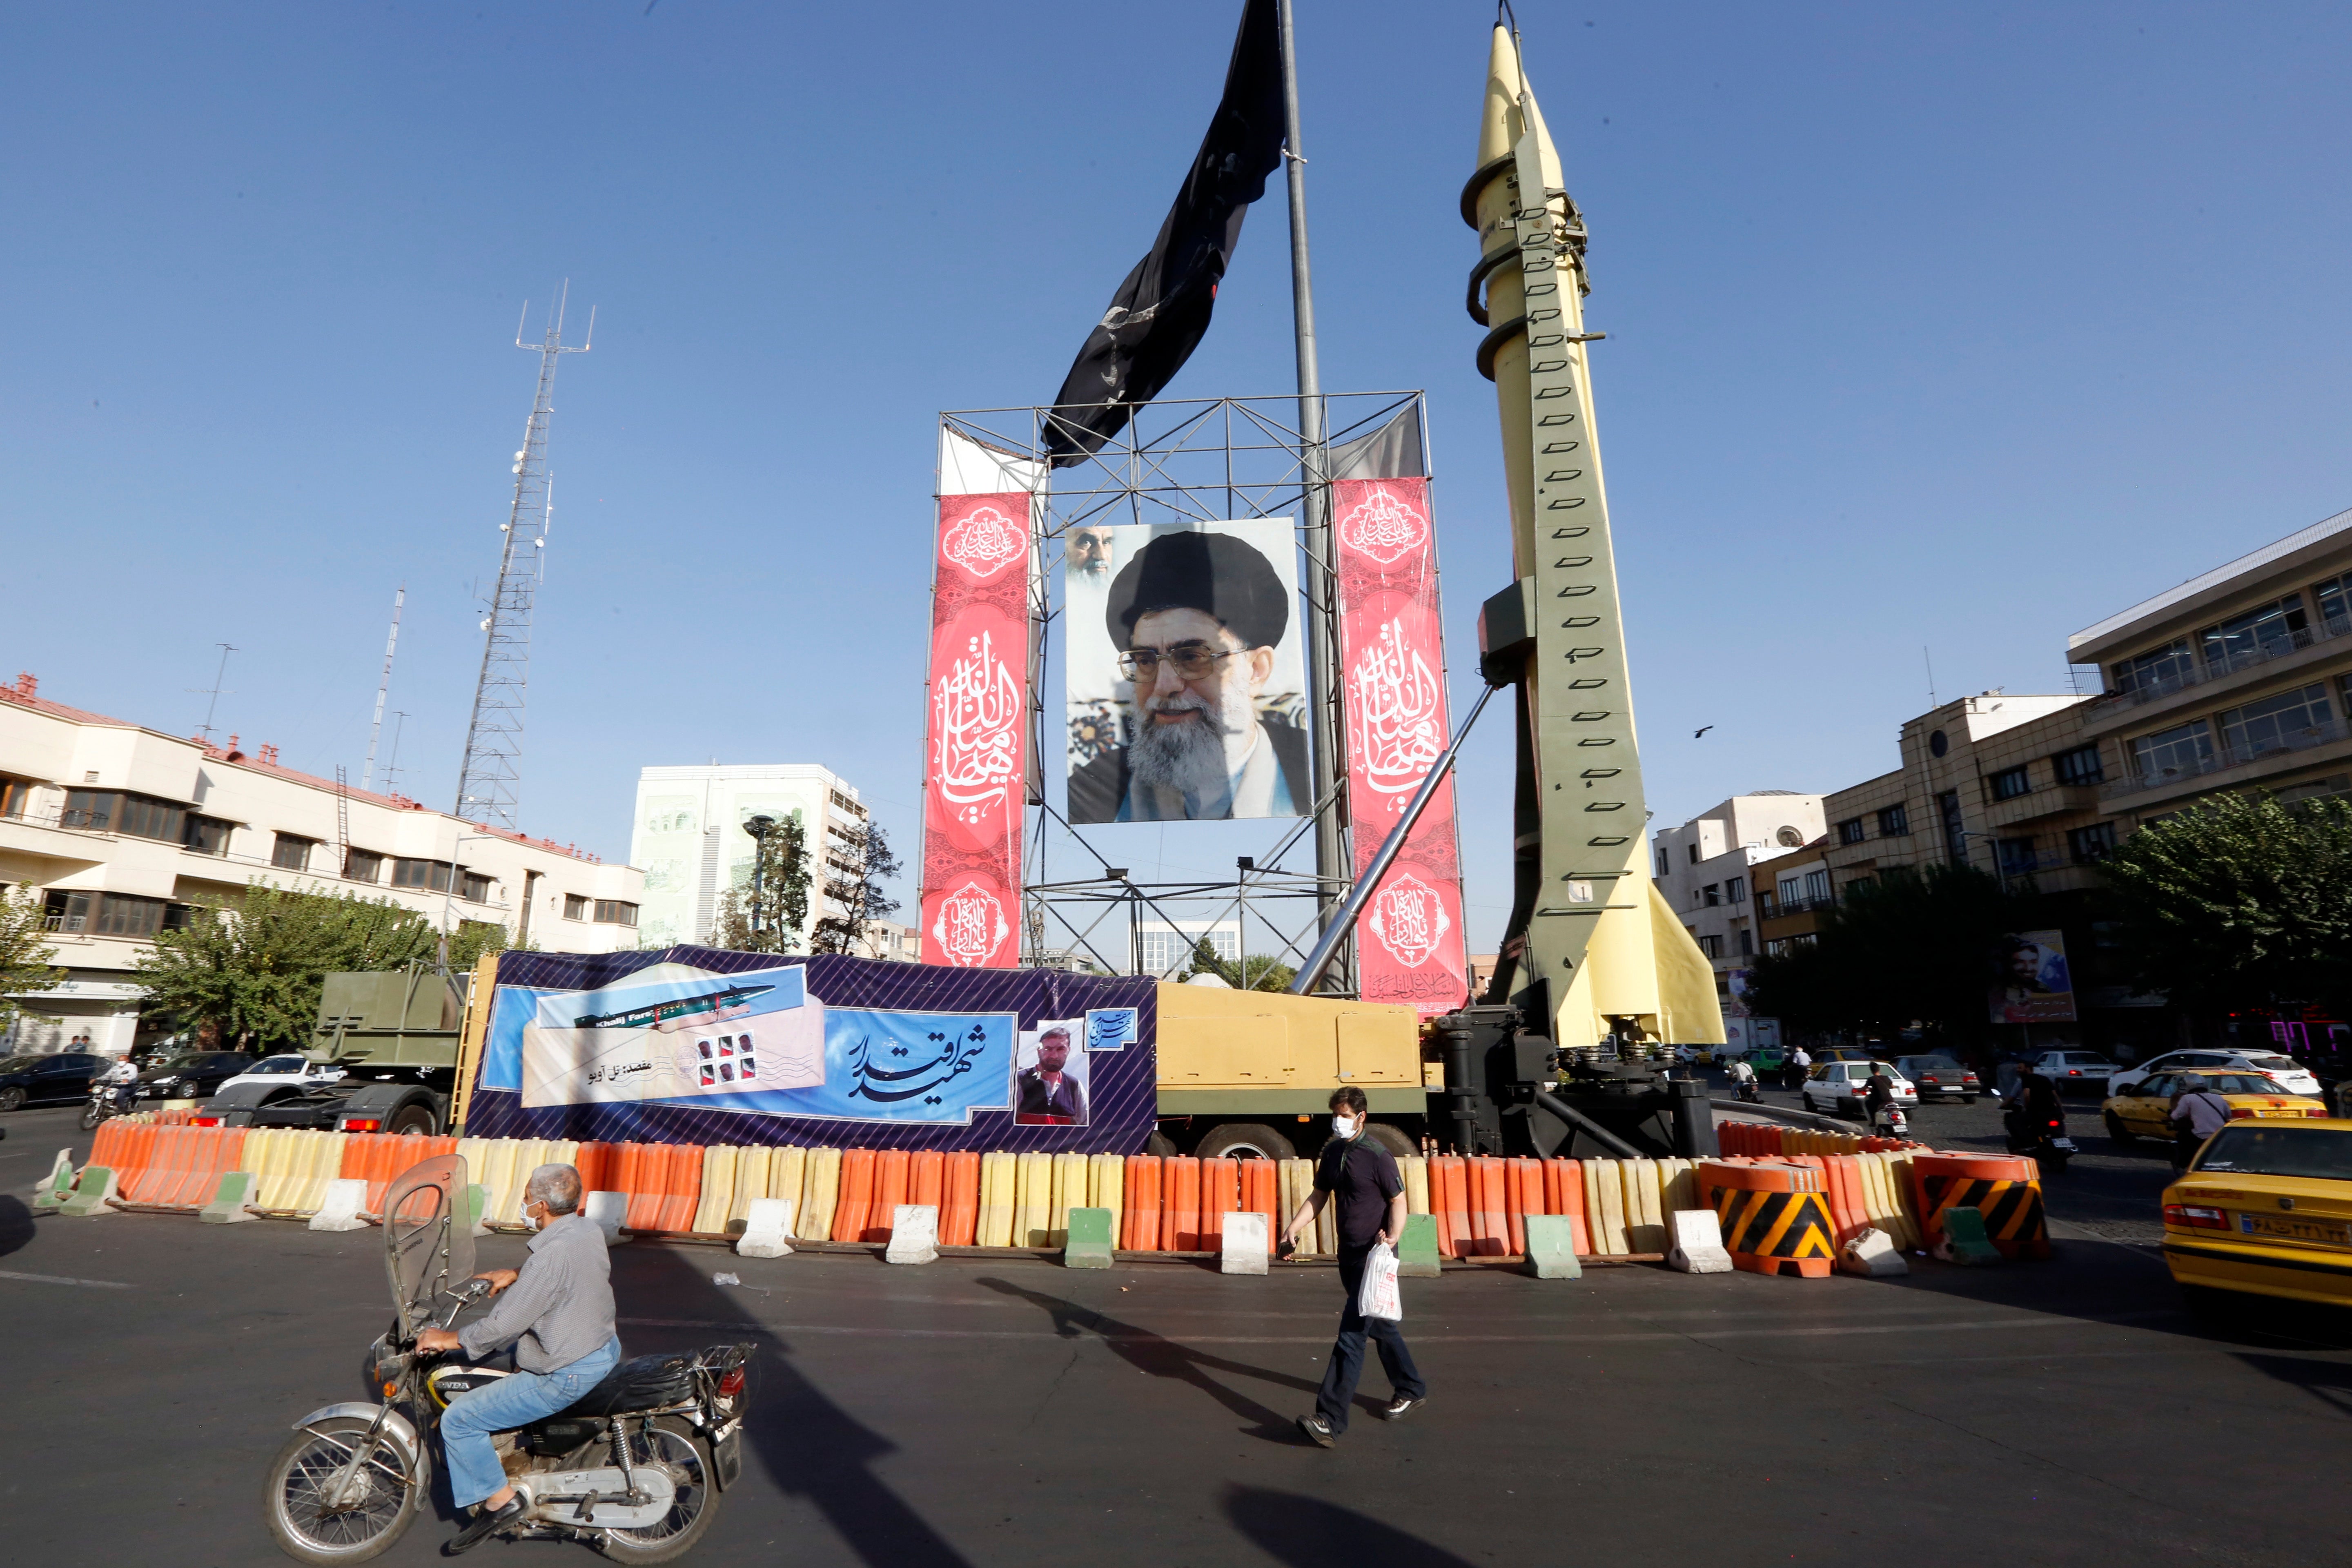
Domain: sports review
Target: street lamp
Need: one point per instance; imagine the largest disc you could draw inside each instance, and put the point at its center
(758, 827)
(449, 893)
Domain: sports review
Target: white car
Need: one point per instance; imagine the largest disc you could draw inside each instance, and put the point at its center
(1837, 1087)
(2073, 1071)
(292, 1072)
(2285, 1071)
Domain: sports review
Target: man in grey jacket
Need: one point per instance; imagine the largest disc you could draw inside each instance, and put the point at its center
(557, 1313)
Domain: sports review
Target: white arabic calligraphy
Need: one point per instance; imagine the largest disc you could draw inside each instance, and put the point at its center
(984, 542)
(976, 716)
(970, 926)
(1409, 919)
(1383, 528)
(1394, 714)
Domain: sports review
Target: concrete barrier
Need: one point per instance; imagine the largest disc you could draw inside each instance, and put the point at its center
(914, 1233)
(766, 1228)
(1872, 1253)
(1698, 1243)
(1962, 1238)
(58, 1186)
(1417, 1255)
(1551, 1248)
(1088, 1244)
(605, 1211)
(340, 1205)
(1241, 1233)
(93, 1194)
(230, 1194)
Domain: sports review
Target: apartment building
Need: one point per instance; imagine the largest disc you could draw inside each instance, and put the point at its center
(690, 839)
(121, 827)
(1704, 869)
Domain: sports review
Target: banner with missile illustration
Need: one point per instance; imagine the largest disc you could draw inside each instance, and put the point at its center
(1409, 943)
(701, 1045)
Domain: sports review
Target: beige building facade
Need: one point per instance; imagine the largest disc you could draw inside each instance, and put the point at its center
(1707, 870)
(689, 836)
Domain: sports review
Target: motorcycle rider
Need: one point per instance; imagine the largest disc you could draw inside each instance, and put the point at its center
(557, 1312)
(121, 1081)
(2032, 1106)
(1743, 1077)
(1878, 1096)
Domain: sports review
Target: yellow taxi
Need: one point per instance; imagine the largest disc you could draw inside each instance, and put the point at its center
(2145, 1110)
(2266, 1209)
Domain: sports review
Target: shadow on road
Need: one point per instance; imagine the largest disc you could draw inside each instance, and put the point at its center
(2328, 1382)
(1163, 1357)
(1307, 1532)
(15, 1225)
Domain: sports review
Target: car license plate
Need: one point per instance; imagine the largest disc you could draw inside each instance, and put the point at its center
(2295, 1229)
(2065, 1143)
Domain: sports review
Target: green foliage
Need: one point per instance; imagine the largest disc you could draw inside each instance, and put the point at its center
(248, 969)
(2237, 901)
(782, 866)
(853, 881)
(24, 952)
(1908, 947)
(1255, 972)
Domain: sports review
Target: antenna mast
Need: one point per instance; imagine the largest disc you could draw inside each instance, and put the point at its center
(375, 733)
(485, 786)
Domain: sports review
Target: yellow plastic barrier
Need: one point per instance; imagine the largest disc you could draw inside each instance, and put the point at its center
(787, 1172)
(1646, 1226)
(1677, 1188)
(996, 1200)
(1070, 1191)
(317, 1160)
(1032, 1224)
(1416, 1182)
(500, 1186)
(1107, 1173)
(720, 1162)
(1326, 1223)
(1293, 1180)
(753, 1168)
(1605, 1207)
(820, 1190)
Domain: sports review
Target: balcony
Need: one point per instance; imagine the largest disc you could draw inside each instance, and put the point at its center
(2225, 756)
(2116, 706)
(2042, 800)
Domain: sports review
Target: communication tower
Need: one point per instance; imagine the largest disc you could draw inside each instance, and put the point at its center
(486, 784)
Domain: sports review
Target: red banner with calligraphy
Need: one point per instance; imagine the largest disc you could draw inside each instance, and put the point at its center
(974, 757)
(1409, 940)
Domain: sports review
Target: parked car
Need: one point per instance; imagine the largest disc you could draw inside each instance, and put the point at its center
(2285, 1071)
(2074, 1072)
(2145, 1109)
(1836, 1087)
(64, 1075)
(1942, 1076)
(191, 1074)
(2265, 1210)
(292, 1073)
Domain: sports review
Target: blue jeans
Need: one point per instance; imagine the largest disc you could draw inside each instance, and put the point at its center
(1347, 1364)
(516, 1400)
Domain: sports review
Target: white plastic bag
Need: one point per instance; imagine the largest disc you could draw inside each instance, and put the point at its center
(1378, 1296)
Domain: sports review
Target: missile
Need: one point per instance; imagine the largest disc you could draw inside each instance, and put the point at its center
(686, 1013)
(1591, 946)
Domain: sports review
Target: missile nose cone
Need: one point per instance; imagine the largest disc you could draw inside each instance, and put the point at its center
(1498, 119)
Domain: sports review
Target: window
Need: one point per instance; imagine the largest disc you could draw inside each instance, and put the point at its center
(2016, 856)
(1817, 887)
(1734, 891)
(288, 853)
(121, 914)
(1894, 822)
(2282, 721)
(2167, 669)
(2334, 598)
(14, 795)
(2092, 843)
(118, 811)
(1792, 891)
(206, 835)
(1711, 945)
(1854, 884)
(1746, 942)
(2079, 766)
(1849, 831)
(1664, 864)
(1955, 837)
(2259, 632)
(432, 874)
(847, 804)
(1767, 906)
(67, 911)
(2178, 752)
(2008, 784)
(614, 912)
(1712, 894)
(363, 865)
(1694, 854)
(476, 888)
(575, 907)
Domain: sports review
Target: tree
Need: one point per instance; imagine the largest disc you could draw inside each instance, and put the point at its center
(1255, 972)
(2238, 901)
(248, 968)
(782, 868)
(853, 883)
(24, 952)
(1908, 947)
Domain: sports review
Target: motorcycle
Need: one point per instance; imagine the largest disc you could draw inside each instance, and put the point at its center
(109, 1100)
(2042, 1136)
(1751, 1092)
(634, 1467)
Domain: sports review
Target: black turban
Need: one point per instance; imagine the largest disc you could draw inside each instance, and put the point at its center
(1214, 573)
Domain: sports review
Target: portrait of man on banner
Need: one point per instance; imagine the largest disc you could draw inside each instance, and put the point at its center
(1049, 1089)
(1203, 721)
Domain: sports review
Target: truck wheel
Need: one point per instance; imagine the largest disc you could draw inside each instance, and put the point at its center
(1392, 1139)
(1159, 1146)
(412, 1119)
(1244, 1140)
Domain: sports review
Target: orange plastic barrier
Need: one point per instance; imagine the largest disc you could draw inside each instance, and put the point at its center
(857, 1199)
(890, 1183)
(1564, 1194)
(1489, 1226)
(1776, 1218)
(960, 1207)
(598, 1164)
(1140, 1229)
(927, 1180)
(1523, 1188)
(1259, 1197)
(160, 1171)
(1179, 1200)
(1449, 1204)
(223, 1148)
(2005, 1189)
(641, 1172)
(1219, 1195)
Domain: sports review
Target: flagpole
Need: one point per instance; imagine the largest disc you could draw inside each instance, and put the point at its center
(1331, 866)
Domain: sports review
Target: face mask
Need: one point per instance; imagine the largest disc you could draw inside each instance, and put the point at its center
(531, 1220)
(1344, 1126)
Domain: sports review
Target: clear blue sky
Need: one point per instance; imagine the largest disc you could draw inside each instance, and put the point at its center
(1950, 326)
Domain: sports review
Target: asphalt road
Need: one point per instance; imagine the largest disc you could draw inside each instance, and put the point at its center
(988, 1411)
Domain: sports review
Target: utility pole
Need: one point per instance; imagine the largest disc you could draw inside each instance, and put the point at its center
(1332, 870)
(383, 687)
(758, 827)
(486, 784)
(216, 691)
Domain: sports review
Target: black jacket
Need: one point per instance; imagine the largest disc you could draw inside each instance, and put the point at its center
(1098, 789)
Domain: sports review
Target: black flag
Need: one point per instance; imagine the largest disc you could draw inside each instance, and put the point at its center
(1162, 311)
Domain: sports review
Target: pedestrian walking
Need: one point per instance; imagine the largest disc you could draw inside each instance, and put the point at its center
(1361, 1177)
